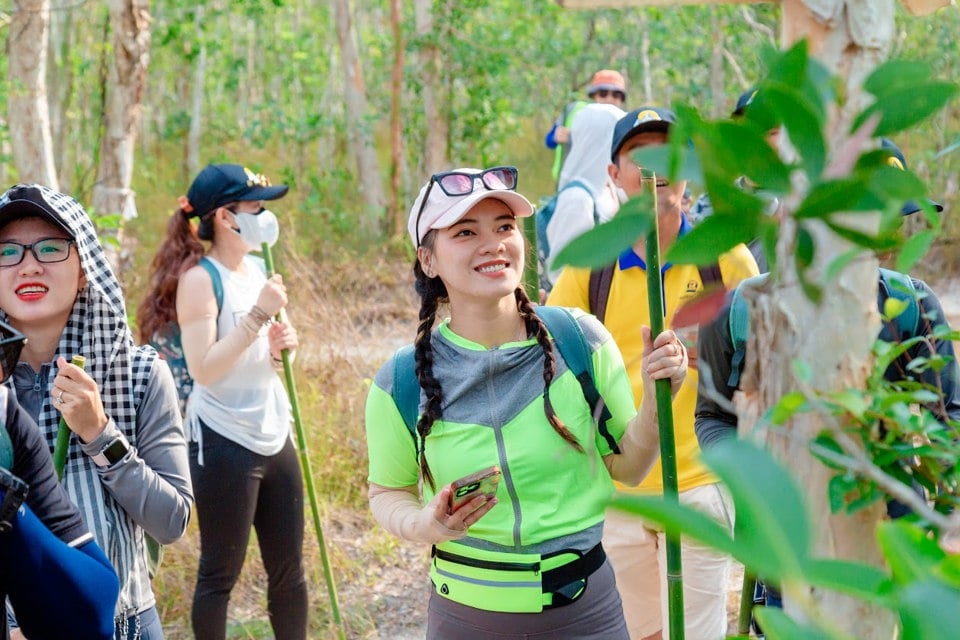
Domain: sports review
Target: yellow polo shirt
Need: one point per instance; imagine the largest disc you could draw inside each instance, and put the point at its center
(627, 310)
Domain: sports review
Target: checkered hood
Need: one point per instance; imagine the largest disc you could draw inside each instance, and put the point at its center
(97, 329)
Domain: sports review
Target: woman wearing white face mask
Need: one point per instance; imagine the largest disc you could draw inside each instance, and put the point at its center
(244, 466)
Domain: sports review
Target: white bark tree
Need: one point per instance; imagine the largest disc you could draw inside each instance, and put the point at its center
(126, 77)
(358, 126)
(835, 337)
(435, 156)
(29, 114)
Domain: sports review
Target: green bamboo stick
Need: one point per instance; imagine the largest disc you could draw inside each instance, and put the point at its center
(307, 472)
(746, 604)
(63, 432)
(668, 455)
(531, 277)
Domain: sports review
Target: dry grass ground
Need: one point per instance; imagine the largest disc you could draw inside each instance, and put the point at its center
(351, 314)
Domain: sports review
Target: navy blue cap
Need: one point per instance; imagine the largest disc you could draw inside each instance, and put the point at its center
(638, 121)
(25, 201)
(744, 101)
(897, 161)
(220, 184)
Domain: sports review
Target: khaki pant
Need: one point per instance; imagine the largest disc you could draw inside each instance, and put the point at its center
(638, 555)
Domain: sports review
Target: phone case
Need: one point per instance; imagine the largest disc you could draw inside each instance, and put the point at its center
(483, 482)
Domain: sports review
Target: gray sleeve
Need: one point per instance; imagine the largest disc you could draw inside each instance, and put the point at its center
(152, 482)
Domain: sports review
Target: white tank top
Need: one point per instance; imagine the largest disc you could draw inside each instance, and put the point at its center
(249, 405)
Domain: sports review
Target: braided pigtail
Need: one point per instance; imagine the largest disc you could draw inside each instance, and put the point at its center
(535, 327)
(432, 292)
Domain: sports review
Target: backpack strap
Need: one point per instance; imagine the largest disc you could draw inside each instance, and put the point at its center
(900, 286)
(710, 275)
(575, 351)
(211, 268)
(573, 348)
(6, 446)
(406, 389)
(739, 322)
(598, 291)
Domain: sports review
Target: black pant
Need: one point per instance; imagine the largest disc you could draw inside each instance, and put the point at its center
(234, 489)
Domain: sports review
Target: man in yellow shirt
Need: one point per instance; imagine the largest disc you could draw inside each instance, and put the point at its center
(636, 549)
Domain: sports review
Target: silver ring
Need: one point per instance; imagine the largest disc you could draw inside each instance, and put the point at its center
(60, 398)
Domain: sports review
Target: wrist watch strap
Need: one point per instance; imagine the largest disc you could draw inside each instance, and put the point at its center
(112, 453)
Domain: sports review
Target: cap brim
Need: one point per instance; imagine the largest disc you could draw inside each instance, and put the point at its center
(911, 207)
(17, 209)
(518, 204)
(274, 192)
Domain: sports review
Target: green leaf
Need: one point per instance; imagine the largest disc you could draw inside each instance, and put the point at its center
(909, 551)
(893, 307)
(777, 625)
(904, 106)
(838, 489)
(930, 609)
(832, 196)
(772, 522)
(892, 75)
(742, 145)
(712, 238)
(851, 401)
(605, 242)
(787, 407)
(731, 202)
(859, 580)
(675, 516)
(803, 124)
(802, 370)
(914, 249)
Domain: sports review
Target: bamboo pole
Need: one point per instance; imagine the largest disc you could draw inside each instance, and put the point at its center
(531, 276)
(307, 472)
(63, 432)
(668, 456)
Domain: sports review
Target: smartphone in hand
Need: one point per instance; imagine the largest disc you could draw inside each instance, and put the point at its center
(483, 482)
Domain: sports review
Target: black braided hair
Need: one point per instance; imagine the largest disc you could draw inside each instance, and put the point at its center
(536, 328)
(432, 293)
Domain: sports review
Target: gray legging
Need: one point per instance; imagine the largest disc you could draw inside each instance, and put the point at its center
(234, 489)
(597, 615)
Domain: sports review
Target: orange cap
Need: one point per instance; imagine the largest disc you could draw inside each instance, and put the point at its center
(607, 79)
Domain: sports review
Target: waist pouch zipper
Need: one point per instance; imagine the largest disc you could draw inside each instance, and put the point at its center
(487, 564)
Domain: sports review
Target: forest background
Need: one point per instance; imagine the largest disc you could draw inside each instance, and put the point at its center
(354, 107)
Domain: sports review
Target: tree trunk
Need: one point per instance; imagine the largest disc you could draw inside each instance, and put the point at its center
(126, 78)
(645, 59)
(195, 131)
(396, 118)
(361, 140)
(429, 59)
(835, 338)
(27, 101)
(716, 63)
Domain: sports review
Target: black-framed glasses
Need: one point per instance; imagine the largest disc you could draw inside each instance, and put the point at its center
(462, 183)
(11, 344)
(45, 250)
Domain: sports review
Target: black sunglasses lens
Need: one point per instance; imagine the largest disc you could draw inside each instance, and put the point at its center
(9, 356)
(456, 184)
(500, 178)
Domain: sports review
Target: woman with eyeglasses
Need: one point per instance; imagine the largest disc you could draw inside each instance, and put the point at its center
(244, 466)
(126, 463)
(496, 390)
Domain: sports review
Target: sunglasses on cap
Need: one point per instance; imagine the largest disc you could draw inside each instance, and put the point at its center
(461, 183)
(11, 344)
(603, 93)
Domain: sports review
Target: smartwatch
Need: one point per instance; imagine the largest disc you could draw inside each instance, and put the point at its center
(112, 453)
